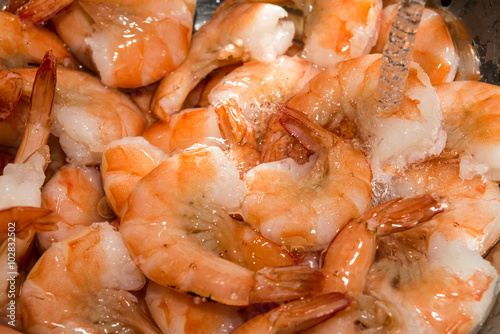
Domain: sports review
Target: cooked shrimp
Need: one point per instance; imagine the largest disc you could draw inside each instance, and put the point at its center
(473, 215)
(124, 163)
(11, 85)
(13, 111)
(449, 289)
(73, 194)
(257, 82)
(305, 204)
(185, 128)
(181, 210)
(23, 43)
(413, 132)
(434, 49)
(470, 111)
(177, 312)
(339, 30)
(251, 31)
(130, 44)
(296, 316)
(88, 115)
(82, 284)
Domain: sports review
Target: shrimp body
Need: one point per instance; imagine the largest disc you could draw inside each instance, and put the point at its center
(450, 289)
(88, 115)
(252, 31)
(83, 283)
(256, 82)
(73, 194)
(305, 205)
(187, 233)
(130, 44)
(473, 214)
(23, 43)
(339, 30)
(433, 50)
(470, 111)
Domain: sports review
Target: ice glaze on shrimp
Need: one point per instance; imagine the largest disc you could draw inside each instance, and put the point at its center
(251, 32)
(470, 111)
(24, 44)
(129, 44)
(434, 49)
(88, 115)
(181, 211)
(82, 284)
(305, 203)
(73, 194)
(339, 30)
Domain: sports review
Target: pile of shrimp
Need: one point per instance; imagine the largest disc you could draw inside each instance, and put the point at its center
(245, 177)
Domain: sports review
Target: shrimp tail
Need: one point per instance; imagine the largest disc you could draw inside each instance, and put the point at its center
(232, 123)
(38, 11)
(40, 112)
(22, 217)
(298, 315)
(274, 284)
(11, 85)
(399, 214)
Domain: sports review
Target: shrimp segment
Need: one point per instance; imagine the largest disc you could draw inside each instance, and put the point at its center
(470, 111)
(252, 31)
(305, 204)
(339, 30)
(83, 283)
(187, 231)
(23, 43)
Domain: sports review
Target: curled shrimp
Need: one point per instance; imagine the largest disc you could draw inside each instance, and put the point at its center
(470, 111)
(190, 235)
(23, 43)
(94, 274)
(252, 31)
(305, 203)
(129, 44)
(413, 132)
(447, 288)
(339, 30)
(434, 49)
(87, 114)
(73, 193)
(473, 214)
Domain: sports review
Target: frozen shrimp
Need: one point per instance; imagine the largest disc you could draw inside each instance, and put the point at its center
(447, 289)
(83, 283)
(73, 193)
(339, 30)
(177, 312)
(433, 50)
(181, 211)
(130, 44)
(296, 316)
(24, 44)
(473, 214)
(470, 111)
(304, 204)
(251, 32)
(88, 115)
(413, 132)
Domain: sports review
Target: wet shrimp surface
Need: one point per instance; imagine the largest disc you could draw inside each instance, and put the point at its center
(274, 167)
